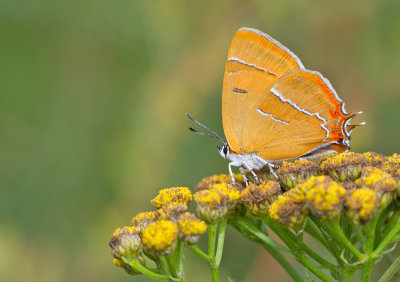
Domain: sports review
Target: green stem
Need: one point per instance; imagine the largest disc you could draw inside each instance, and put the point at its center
(360, 236)
(200, 253)
(212, 233)
(221, 239)
(369, 247)
(253, 234)
(379, 226)
(135, 264)
(389, 236)
(339, 236)
(392, 222)
(327, 238)
(166, 261)
(293, 243)
(276, 227)
(311, 229)
(178, 259)
(391, 271)
(258, 236)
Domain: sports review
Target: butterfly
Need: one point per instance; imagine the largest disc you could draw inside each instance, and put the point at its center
(274, 109)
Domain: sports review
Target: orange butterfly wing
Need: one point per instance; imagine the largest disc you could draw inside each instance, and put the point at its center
(272, 106)
(255, 61)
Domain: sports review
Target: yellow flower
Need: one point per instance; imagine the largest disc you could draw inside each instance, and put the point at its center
(125, 242)
(290, 209)
(172, 211)
(344, 166)
(292, 173)
(210, 207)
(361, 204)
(143, 219)
(190, 228)
(208, 182)
(172, 195)
(257, 198)
(374, 159)
(324, 197)
(160, 237)
(377, 179)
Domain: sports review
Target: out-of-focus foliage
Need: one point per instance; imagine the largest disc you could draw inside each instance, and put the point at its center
(92, 103)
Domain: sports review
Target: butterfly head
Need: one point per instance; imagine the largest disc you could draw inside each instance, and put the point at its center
(224, 150)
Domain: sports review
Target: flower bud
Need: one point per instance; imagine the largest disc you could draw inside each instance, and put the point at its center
(210, 207)
(379, 181)
(207, 182)
(172, 195)
(361, 204)
(190, 228)
(125, 242)
(293, 173)
(143, 219)
(159, 237)
(258, 197)
(344, 166)
(324, 197)
(290, 209)
(172, 211)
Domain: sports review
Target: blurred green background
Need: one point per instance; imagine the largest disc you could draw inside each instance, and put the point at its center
(93, 97)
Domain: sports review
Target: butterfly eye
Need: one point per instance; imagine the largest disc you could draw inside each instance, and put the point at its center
(225, 150)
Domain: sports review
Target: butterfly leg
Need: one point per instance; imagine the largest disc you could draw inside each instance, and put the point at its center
(241, 169)
(252, 172)
(270, 166)
(230, 169)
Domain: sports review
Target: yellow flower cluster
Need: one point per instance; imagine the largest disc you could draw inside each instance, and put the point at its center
(207, 182)
(160, 236)
(213, 204)
(155, 233)
(258, 197)
(325, 197)
(377, 180)
(172, 195)
(344, 166)
(361, 204)
(289, 209)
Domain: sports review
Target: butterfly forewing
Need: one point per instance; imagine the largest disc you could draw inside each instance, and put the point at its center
(254, 62)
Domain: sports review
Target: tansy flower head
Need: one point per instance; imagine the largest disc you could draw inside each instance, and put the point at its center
(125, 242)
(293, 173)
(392, 166)
(379, 181)
(190, 228)
(344, 166)
(143, 219)
(229, 194)
(172, 195)
(374, 159)
(210, 206)
(159, 237)
(361, 204)
(172, 211)
(258, 197)
(208, 182)
(290, 209)
(325, 197)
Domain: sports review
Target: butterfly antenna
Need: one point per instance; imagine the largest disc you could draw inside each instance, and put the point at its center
(214, 134)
